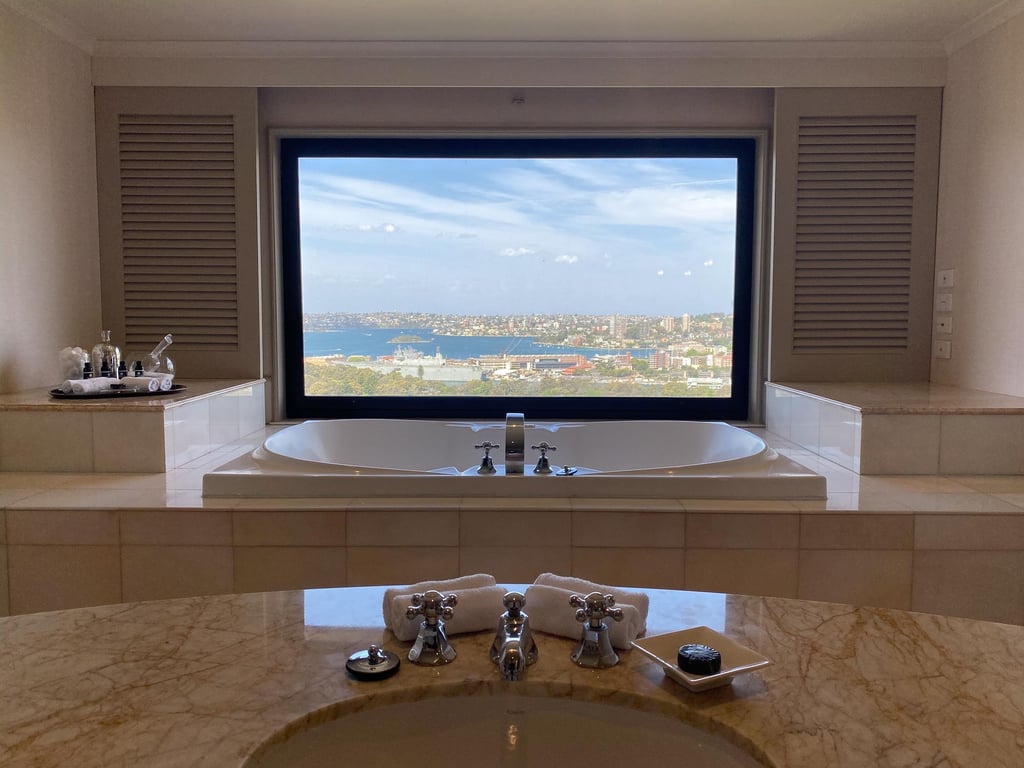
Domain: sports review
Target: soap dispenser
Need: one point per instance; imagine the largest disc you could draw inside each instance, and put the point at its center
(106, 355)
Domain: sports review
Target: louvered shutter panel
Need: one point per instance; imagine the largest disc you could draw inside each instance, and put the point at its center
(178, 230)
(855, 188)
(179, 234)
(854, 244)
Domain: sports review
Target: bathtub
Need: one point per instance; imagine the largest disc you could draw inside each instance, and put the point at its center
(598, 459)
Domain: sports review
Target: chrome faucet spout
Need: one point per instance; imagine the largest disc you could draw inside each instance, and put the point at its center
(513, 648)
(515, 443)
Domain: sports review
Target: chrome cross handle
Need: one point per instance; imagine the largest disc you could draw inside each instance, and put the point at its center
(432, 647)
(543, 464)
(486, 462)
(595, 648)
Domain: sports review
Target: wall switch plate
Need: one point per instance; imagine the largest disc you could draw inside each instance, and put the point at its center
(944, 278)
(944, 302)
(944, 324)
(943, 349)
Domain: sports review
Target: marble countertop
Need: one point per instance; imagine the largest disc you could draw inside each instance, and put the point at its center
(195, 389)
(910, 398)
(205, 681)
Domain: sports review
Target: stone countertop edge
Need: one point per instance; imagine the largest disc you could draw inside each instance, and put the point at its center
(213, 680)
(195, 389)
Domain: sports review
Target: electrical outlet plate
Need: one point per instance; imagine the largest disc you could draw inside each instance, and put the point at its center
(943, 349)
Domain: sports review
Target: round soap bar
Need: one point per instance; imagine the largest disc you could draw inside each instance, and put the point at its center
(699, 659)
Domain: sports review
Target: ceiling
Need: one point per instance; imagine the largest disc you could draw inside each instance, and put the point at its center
(463, 21)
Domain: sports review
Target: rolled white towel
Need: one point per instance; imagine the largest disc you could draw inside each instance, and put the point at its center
(165, 379)
(88, 386)
(549, 611)
(582, 587)
(147, 383)
(478, 608)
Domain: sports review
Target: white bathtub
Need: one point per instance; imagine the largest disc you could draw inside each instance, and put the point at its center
(623, 459)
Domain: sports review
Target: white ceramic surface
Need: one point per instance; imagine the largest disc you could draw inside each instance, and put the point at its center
(390, 457)
(736, 658)
(505, 730)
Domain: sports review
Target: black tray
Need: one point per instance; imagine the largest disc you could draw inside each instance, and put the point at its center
(62, 395)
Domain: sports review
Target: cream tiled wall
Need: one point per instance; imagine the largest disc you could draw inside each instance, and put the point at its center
(38, 435)
(942, 544)
(913, 442)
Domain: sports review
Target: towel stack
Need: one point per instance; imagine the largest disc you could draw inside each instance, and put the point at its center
(150, 382)
(87, 386)
(547, 604)
(479, 606)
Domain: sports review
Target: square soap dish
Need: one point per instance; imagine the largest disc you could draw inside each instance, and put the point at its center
(736, 658)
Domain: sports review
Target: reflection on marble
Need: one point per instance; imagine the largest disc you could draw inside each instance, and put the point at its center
(207, 681)
(911, 397)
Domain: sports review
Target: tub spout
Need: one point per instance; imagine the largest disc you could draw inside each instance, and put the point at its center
(515, 443)
(513, 648)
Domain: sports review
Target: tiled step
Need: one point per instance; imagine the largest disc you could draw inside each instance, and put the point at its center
(129, 434)
(901, 429)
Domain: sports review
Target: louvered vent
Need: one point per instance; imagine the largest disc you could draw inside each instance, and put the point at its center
(177, 179)
(855, 190)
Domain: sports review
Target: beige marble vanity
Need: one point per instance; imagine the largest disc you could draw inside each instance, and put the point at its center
(208, 681)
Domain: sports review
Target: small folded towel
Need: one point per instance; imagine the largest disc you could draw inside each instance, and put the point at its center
(548, 606)
(165, 379)
(479, 606)
(87, 386)
(146, 383)
(582, 587)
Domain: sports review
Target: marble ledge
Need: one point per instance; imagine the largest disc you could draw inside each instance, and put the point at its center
(210, 680)
(195, 389)
(909, 398)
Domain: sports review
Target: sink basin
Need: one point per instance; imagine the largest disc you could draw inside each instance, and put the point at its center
(507, 731)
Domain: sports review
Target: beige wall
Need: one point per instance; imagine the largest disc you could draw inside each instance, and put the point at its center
(981, 211)
(49, 259)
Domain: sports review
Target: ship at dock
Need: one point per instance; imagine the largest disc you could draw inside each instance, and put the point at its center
(415, 364)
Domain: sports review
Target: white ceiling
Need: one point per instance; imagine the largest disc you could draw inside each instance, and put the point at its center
(109, 22)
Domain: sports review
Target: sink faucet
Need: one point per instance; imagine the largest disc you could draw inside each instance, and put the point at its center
(595, 647)
(432, 647)
(514, 647)
(515, 443)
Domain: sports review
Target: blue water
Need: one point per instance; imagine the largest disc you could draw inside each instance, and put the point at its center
(375, 342)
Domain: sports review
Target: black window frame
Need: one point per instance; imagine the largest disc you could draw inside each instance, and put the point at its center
(300, 405)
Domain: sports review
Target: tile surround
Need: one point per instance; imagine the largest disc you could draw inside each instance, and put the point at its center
(901, 429)
(927, 542)
(135, 434)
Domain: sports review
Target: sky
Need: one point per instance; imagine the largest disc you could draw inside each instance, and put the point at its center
(508, 236)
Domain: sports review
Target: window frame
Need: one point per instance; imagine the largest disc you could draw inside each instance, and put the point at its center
(298, 404)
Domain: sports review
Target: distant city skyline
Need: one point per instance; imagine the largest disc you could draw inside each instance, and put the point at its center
(629, 236)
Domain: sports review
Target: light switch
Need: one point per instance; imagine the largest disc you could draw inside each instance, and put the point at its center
(944, 278)
(943, 349)
(944, 324)
(944, 302)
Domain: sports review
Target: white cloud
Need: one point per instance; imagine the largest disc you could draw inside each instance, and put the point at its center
(517, 251)
(660, 272)
(566, 258)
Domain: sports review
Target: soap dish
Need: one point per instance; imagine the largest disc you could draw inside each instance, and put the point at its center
(736, 658)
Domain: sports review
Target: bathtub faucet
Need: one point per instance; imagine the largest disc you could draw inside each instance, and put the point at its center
(513, 648)
(515, 443)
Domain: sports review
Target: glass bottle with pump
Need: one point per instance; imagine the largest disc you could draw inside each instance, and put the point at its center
(105, 355)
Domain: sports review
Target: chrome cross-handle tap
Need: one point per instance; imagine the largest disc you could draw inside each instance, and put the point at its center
(595, 648)
(543, 465)
(432, 647)
(486, 462)
(513, 648)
